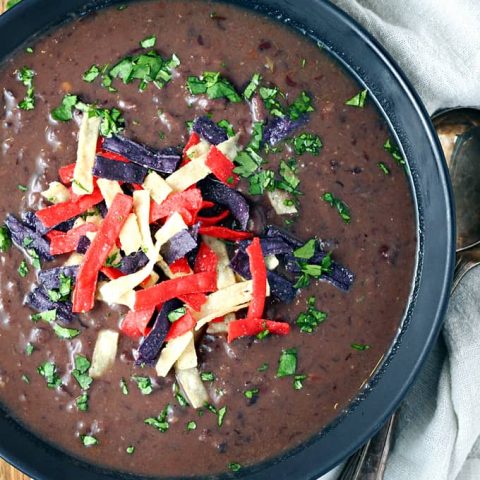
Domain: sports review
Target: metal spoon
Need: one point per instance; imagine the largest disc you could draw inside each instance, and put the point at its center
(459, 132)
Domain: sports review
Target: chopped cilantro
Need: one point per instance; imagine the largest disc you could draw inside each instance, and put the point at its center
(221, 415)
(360, 346)
(383, 168)
(91, 74)
(48, 371)
(207, 377)
(192, 425)
(306, 251)
(124, 386)
(270, 100)
(64, 289)
(263, 367)
(22, 188)
(358, 100)
(80, 372)
(251, 393)
(64, 112)
(261, 181)
(130, 450)
(228, 127)
(288, 173)
(309, 271)
(27, 241)
(176, 314)
(88, 440)
(47, 316)
(301, 105)
(29, 348)
(65, 333)
(34, 257)
(25, 75)
(263, 334)
(307, 142)
(148, 42)
(211, 408)
(214, 86)
(298, 381)
(23, 269)
(122, 7)
(25, 379)
(341, 206)
(5, 240)
(29, 50)
(144, 384)
(234, 467)
(287, 364)
(112, 121)
(160, 422)
(182, 401)
(394, 151)
(113, 260)
(308, 321)
(82, 402)
(147, 67)
(252, 86)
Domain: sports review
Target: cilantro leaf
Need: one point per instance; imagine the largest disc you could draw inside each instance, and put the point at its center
(298, 381)
(82, 402)
(301, 105)
(176, 314)
(358, 100)
(144, 384)
(148, 42)
(307, 250)
(48, 371)
(91, 74)
(383, 168)
(80, 373)
(361, 347)
(287, 364)
(308, 321)
(23, 269)
(25, 75)
(214, 86)
(160, 422)
(5, 239)
(307, 142)
(270, 95)
(89, 440)
(341, 206)
(252, 86)
(64, 112)
(394, 151)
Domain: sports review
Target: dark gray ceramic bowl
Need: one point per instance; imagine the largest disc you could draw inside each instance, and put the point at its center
(396, 99)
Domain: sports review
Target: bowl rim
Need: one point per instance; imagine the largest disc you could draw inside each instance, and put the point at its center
(367, 60)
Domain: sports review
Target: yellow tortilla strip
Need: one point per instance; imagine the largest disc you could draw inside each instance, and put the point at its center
(171, 353)
(225, 275)
(87, 145)
(56, 193)
(192, 386)
(220, 327)
(157, 187)
(104, 353)
(188, 175)
(108, 189)
(230, 147)
(188, 359)
(141, 207)
(130, 236)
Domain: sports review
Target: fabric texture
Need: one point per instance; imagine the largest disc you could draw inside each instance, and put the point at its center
(436, 43)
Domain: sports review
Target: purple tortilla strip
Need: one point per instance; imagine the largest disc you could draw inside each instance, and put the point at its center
(121, 171)
(152, 344)
(178, 246)
(164, 161)
(133, 262)
(25, 237)
(218, 192)
(280, 287)
(270, 246)
(83, 244)
(209, 130)
(279, 128)
(32, 221)
(49, 279)
(273, 231)
(39, 300)
(66, 225)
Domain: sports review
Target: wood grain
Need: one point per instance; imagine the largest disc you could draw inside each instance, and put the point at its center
(6, 471)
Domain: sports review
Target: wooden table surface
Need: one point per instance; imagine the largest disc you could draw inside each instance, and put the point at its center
(6, 471)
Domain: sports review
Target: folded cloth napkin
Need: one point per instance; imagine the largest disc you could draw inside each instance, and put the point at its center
(436, 43)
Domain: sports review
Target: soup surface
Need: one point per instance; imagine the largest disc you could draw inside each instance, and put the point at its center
(370, 229)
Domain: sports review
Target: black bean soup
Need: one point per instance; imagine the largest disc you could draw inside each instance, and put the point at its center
(322, 199)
